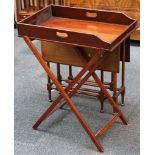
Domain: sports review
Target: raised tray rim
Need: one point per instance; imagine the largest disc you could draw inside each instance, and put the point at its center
(107, 45)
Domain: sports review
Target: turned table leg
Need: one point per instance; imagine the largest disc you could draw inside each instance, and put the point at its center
(49, 85)
(59, 77)
(101, 96)
(70, 77)
(114, 88)
(123, 75)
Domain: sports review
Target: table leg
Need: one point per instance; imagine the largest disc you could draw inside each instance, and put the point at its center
(114, 86)
(101, 95)
(70, 77)
(111, 101)
(49, 85)
(91, 66)
(59, 77)
(101, 98)
(64, 93)
(123, 74)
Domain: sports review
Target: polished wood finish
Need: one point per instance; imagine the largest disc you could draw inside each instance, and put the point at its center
(104, 31)
(49, 85)
(129, 7)
(72, 57)
(70, 77)
(103, 130)
(91, 66)
(64, 94)
(31, 26)
(123, 74)
(48, 49)
(92, 63)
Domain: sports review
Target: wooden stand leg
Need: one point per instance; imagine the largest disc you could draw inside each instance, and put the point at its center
(49, 85)
(91, 66)
(53, 106)
(123, 75)
(111, 101)
(75, 80)
(64, 94)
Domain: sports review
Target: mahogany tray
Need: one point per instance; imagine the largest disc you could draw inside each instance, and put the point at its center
(102, 30)
(78, 26)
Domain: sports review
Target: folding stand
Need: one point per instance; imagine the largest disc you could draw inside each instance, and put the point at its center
(101, 30)
(69, 91)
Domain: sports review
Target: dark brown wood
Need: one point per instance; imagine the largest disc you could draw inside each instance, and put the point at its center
(33, 27)
(58, 71)
(59, 77)
(102, 76)
(120, 90)
(102, 15)
(37, 27)
(123, 75)
(49, 85)
(127, 50)
(85, 26)
(96, 93)
(64, 94)
(26, 8)
(128, 7)
(70, 77)
(72, 57)
(111, 101)
(114, 86)
(75, 80)
(67, 97)
(105, 127)
(69, 56)
(101, 98)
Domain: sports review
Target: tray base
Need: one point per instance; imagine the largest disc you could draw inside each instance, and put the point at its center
(105, 31)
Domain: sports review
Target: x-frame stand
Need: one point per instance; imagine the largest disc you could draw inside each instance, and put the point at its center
(69, 91)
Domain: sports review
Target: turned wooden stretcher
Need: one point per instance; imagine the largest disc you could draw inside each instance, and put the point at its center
(105, 32)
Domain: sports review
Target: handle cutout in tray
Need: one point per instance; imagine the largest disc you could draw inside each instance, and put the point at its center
(62, 34)
(91, 14)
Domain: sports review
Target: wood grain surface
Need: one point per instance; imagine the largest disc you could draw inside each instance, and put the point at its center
(105, 31)
(129, 7)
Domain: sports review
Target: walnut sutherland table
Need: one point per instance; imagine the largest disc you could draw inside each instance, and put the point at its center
(101, 30)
